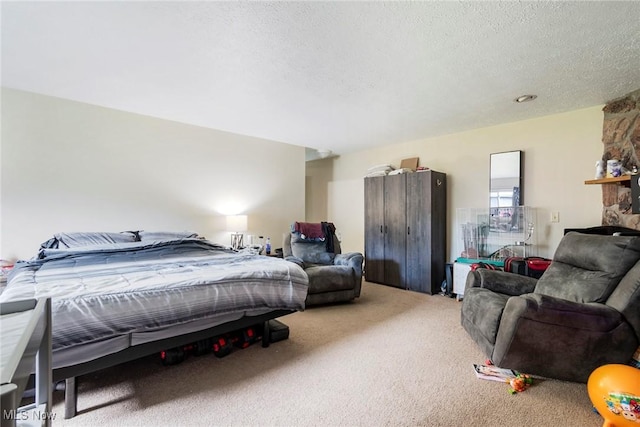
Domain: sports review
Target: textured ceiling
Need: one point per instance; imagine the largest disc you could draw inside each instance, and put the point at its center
(342, 76)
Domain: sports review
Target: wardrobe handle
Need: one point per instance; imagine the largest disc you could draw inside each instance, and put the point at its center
(385, 229)
(381, 229)
(408, 230)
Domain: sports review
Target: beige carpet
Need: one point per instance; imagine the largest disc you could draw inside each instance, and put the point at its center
(391, 358)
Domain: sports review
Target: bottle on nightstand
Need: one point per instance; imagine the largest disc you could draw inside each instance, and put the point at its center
(268, 246)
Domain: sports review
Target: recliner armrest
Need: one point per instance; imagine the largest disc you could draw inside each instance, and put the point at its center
(556, 311)
(295, 260)
(501, 282)
(355, 261)
(578, 337)
(351, 258)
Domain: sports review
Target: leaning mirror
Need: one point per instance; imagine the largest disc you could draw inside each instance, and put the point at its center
(505, 189)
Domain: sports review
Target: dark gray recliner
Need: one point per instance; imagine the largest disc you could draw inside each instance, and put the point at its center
(333, 277)
(582, 313)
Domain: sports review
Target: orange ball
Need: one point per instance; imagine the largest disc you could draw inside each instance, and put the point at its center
(614, 390)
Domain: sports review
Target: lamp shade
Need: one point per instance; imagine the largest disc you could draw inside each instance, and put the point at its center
(237, 223)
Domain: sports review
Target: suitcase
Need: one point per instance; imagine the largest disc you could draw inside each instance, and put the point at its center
(529, 266)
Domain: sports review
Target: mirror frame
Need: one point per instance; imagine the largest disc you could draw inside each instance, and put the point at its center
(495, 161)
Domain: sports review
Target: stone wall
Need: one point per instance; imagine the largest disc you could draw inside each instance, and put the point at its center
(621, 139)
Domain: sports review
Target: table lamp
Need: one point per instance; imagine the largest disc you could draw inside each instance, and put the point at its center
(237, 224)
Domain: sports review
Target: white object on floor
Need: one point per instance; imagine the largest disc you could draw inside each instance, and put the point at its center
(460, 272)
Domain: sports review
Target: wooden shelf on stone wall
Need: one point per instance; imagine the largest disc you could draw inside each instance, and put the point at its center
(620, 180)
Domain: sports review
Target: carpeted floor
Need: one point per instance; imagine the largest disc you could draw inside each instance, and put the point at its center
(391, 358)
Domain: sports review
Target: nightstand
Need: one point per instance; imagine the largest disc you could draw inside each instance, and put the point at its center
(276, 254)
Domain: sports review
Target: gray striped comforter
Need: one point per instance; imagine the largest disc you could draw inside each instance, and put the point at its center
(103, 291)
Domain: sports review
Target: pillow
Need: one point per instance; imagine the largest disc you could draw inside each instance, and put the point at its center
(78, 239)
(146, 236)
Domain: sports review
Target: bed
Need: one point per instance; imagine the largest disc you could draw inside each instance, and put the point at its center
(116, 297)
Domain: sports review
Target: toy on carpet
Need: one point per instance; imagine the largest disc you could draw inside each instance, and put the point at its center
(520, 383)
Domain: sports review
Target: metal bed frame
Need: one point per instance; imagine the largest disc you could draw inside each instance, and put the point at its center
(70, 374)
(19, 357)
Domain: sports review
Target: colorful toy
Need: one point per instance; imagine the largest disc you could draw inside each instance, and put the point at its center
(520, 383)
(614, 390)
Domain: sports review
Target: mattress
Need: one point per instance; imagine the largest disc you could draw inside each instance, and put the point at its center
(108, 297)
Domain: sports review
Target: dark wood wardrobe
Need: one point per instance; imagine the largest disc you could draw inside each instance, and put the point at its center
(405, 230)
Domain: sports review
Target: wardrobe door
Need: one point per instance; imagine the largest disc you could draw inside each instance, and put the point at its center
(426, 231)
(419, 232)
(374, 229)
(395, 198)
(438, 230)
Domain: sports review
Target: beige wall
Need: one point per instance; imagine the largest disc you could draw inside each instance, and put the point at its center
(318, 173)
(560, 152)
(69, 166)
